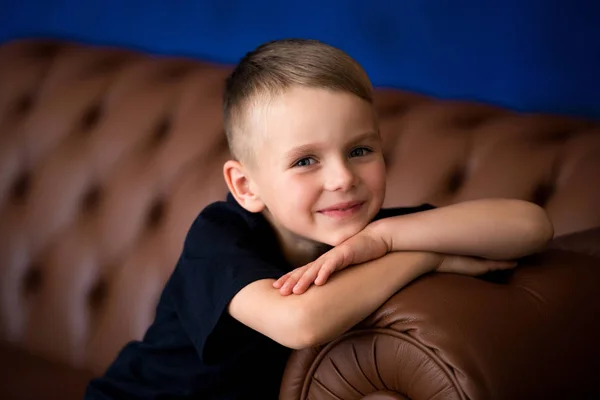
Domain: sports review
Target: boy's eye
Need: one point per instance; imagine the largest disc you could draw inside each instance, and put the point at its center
(305, 162)
(359, 152)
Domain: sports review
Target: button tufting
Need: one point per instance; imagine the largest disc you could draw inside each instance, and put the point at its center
(162, 130)
(91, 117)
(104, 66)
(33, 279)
(98, 294)
(456, 180)
(91, 200)
(470, 122)
(45, 50)
(21, 186)
(172, 73)
(560, 136)
(394, 110)
(542, 193)
(156, 214)
(24, 104)
(388, 157)
(223, 144)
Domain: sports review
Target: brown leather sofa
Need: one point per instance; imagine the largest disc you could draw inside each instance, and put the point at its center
(107, 155)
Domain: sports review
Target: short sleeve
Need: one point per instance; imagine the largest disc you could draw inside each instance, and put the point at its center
(396, 211)
(221, 256)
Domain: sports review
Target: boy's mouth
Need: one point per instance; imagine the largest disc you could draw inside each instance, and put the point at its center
(342, 209)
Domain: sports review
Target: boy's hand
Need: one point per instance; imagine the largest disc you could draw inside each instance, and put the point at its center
(473, 266)
(300, 279)
(362, 247)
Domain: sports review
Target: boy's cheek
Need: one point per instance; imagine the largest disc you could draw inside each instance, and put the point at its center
(375, 176)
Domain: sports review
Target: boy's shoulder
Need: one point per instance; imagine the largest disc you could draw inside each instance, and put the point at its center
(223, 224)
(225, 214)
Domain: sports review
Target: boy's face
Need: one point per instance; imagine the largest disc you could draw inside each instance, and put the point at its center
(318, 164)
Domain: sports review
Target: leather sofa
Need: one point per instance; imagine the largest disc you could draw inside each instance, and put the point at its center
(107, 155)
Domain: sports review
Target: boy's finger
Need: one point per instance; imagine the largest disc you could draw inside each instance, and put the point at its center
(279, 282)
(288, 285)
(322, 277)
(285, 291)
(324, 273)
(305, 280)
(295, 274)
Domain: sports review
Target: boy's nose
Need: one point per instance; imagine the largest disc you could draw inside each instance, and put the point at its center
(339, 177)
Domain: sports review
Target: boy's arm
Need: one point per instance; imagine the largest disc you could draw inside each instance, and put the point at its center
(327, 311)
(497, 229)
(324, 312)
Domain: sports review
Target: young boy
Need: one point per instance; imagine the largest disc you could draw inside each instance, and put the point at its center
(306, 186)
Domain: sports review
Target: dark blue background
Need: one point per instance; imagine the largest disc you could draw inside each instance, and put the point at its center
(535, 55)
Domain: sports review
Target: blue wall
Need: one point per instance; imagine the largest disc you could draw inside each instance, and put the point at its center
(536, 55)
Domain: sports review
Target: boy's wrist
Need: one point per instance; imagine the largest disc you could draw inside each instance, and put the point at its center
(380, 230)
(404, 233)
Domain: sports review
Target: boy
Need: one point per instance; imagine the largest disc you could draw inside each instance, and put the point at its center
(307, 176)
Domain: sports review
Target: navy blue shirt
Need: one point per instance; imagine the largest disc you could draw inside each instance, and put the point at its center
(194, 349)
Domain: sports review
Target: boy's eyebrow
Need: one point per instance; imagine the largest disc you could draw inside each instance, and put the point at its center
(301, 150)
(370, 135)
(313, 147)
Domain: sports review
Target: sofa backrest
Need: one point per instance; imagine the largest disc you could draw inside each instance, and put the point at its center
(107, 155)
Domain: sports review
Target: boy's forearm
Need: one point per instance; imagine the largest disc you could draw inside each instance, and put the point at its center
(354, 293)
(494, 229)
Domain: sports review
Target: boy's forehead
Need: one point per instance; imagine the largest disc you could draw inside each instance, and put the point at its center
(267, 112)
(300, 103)
(295, 117)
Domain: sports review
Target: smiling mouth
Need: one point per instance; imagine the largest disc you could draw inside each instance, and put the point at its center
(342, 210)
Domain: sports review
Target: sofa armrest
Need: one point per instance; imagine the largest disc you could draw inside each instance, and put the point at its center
(527, 333)
(27, 377)
(587, 241)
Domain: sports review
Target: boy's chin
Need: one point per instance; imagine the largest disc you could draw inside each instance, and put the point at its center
(337, 239)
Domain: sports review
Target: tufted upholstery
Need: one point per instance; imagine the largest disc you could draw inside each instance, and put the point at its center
(106, 158)
(107, 155)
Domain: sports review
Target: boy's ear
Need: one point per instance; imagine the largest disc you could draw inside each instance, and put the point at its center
(241, 186)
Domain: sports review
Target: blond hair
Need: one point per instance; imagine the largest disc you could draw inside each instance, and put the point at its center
(277, 65)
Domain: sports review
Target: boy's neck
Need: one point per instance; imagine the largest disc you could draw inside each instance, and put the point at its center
(302, 251)
(298, 251)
